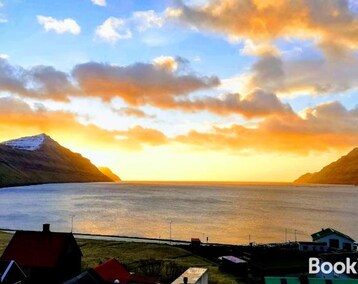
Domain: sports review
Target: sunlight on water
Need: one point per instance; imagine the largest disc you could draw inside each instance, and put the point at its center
(226, 213)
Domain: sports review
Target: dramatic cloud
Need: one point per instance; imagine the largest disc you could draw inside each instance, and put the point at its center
(112, 30)
(256, 104)
(18, 119)
(161, 84)
(328, 126)
(309, 77)
(138, 84)
(259, 20)
(99, 2)
(59, 26)
(38, 82)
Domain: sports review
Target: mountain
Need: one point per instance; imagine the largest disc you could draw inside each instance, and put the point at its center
(39, 159)
(107, 172)
(342, 171)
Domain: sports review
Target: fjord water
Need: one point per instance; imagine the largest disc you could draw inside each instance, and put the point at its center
(226, 213)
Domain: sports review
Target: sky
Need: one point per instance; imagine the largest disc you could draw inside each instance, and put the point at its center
(224, 90)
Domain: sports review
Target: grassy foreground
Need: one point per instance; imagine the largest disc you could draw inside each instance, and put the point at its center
(132, 255)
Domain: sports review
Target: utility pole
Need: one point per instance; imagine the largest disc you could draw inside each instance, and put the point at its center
(285, 235)
(249, 239)
(295, 236)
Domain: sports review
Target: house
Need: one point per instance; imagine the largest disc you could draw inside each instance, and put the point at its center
(234, 265)
(11, 273)
(111, 271)
(334, 239)
(87, 277)
(46, 257)
(193, 275)
(195, 242)
(312, 246)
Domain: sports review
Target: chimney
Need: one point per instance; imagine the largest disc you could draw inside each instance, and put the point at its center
(185, 279)
(46, 228)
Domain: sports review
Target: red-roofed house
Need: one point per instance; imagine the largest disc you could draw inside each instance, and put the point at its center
(46, 257)
(112, 270)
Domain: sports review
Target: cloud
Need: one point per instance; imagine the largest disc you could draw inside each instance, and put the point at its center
(325, 127)
(135, 112)
(255, 104)
(321, 128)
(163, 84)
(42, 82)
(3, 19)
(167, 62)
(99, 2)
(18, 119)
(4, 56)
(138, 84)
(324, 21)
(145, 20)
(59, 26)
(136, 137)
(112, 30)
(308, 77)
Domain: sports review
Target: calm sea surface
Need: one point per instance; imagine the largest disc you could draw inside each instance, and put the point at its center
(226, 213)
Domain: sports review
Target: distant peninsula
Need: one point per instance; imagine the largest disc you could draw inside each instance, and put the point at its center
(40, 159)
(107, 172)
(342, 171)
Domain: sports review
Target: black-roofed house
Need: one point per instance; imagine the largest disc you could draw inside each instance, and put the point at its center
(45, 257)
(335, 239)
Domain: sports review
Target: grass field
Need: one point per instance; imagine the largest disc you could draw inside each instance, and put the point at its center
(133, 255)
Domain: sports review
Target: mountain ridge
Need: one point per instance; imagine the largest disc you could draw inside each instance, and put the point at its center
(108, 172)
(39, 159)
(342, 171)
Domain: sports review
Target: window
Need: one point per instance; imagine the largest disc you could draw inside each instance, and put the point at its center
(347, 246)
(334, 243)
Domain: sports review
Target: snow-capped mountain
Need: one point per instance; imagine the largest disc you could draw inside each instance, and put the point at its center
(29, 143)
(40, 159)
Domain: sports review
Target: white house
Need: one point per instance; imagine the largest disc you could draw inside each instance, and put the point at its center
(312, 246)
(193, 275)
(334, 239)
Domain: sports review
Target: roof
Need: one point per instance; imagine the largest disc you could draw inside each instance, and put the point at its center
(313, 243)
(329, 231)
(193, 274)
(112, 270)
(87, 277)
(233, 259)
(38, 249)
(10, 272)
